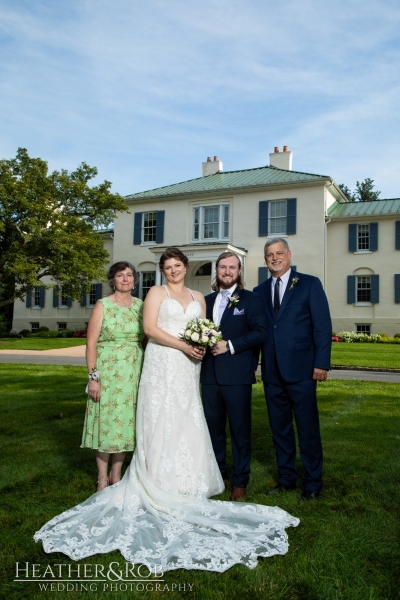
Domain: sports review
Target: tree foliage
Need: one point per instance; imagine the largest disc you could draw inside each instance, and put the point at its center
(48, 226)
(364, 191)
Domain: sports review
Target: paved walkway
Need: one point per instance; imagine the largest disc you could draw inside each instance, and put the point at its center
(75, 356)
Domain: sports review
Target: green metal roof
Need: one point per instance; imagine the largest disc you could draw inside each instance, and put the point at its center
(230, 180)
(364, 209)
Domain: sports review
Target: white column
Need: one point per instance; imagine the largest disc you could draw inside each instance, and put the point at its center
(158, 276)
(213, 263)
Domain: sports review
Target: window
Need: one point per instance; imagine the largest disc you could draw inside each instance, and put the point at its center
(61, 326)
(149, 227)
(363, 289)
(34, 327)
(35, 297)
(92, 295)
(277, 217)
(63, 297)
(211, 222)
(363, 238)
(361, 328)
(148, 280)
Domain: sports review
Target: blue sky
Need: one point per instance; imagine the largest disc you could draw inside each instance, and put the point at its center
(146, 90)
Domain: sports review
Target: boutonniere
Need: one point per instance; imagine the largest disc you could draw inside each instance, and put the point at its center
(233, 300)
(295, 281)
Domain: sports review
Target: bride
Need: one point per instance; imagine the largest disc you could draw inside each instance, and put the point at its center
(159, 514)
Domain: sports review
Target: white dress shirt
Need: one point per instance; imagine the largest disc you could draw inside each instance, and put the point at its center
(216, 311)
(282, 288)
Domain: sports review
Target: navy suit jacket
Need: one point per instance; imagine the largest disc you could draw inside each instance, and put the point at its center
(246, 331)
(301, 335)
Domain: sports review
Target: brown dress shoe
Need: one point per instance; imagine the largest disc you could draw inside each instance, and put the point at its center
(226, 484)
(238, 494)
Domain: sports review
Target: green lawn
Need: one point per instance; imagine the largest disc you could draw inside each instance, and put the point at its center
(40, 343)
(366, 355)
(347, 543)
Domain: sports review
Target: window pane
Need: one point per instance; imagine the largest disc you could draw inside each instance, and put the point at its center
(277, 219)
(211, 222)
(364, 288)
(148, 280)
(92, 294)
(226, 222)
(196, 223)
(36, 296)
(363, 329)
(363, 237)
(34, 327)
(149, 226)
(61, 326)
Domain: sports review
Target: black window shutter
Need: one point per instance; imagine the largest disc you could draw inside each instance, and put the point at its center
(374, 289)
(373, 237)
(83, 299)
(69, 302)
(351, 289)
(291, 205)
(42, 293)
(397, 235)
(263, 273)
(28, 302)
(137, 228)
(352, 238)
(56, 298)
(160, 226)
(397, 288)
(263, 218)
(99, 290)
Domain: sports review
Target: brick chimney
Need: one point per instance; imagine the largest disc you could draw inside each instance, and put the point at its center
(212, 166)
(281, 160)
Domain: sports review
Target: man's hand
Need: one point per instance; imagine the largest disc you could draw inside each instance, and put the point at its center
(320, 374)
(219, 348)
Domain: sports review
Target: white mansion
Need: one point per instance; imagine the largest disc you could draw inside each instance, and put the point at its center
(353, 247)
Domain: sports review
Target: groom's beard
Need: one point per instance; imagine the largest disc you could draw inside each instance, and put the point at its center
(226, 285)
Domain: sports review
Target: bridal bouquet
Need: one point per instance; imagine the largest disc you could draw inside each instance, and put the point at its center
(201, 332)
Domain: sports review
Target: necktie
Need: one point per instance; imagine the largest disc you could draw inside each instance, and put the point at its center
(277, 301)
(223, 303)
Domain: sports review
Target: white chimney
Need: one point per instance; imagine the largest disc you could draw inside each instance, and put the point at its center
(212, 166)
(281, 160)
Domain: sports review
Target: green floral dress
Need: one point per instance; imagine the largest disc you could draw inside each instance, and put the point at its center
(110, 424)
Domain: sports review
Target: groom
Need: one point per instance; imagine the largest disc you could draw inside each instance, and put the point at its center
(227, 371)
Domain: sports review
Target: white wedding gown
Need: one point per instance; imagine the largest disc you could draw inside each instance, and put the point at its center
(159, 514)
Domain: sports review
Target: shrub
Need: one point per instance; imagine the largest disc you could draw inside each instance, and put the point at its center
(64, 333)
(351, 338)
(336, 338)
(25, 332)
(45, 334)
(397, 335)
(80, 333)
(42, 328)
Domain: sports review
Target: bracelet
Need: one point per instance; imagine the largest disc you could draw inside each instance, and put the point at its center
(94, 375)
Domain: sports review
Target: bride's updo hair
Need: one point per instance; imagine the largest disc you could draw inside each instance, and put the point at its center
(173, 253)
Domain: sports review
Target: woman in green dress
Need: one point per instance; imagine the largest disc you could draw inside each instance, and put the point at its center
(114, 357)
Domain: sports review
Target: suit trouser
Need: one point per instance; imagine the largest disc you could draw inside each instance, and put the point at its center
(234, 401)
(299, 399)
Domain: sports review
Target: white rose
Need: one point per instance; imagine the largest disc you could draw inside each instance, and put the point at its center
(195, 337)
(204, 338)
(213, 332)
(188, 333)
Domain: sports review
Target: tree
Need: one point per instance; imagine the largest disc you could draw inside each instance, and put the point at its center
(363, 193)
(49, 227)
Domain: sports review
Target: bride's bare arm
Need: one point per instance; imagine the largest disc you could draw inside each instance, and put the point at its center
(151, 308)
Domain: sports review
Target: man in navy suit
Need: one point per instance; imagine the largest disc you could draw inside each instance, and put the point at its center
(295, 355)
(227, 371)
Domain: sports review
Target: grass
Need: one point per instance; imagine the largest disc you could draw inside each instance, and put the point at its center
(366, 355)
(346, 546)
(39, 343)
